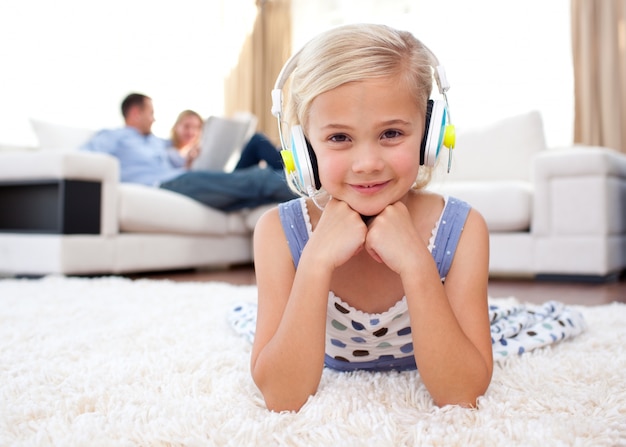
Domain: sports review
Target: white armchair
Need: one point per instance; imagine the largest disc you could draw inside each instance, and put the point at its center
(579, 212)
(551, 212)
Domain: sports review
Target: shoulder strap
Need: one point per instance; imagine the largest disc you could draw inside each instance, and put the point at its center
(294, 226)
(448, 234)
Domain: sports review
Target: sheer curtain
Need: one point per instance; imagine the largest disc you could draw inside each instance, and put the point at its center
(248, 86)
(511, 57)
(598, 48)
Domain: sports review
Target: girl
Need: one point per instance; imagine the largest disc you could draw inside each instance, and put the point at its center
(387, 276)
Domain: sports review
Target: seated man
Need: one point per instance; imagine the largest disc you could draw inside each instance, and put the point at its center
(147, 159)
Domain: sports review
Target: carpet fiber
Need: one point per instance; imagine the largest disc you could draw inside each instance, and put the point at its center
(115, 362)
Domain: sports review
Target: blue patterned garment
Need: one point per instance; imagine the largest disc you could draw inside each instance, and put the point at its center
(517, 328)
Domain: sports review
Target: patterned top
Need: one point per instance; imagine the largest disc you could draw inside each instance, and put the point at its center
(358, 340)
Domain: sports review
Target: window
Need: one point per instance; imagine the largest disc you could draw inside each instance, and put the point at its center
(501, 58)
(71, 62)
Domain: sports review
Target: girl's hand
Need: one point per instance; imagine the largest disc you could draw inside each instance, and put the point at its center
(339, 234)
(393, 240)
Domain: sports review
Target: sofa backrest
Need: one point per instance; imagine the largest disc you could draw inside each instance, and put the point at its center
(499, 151)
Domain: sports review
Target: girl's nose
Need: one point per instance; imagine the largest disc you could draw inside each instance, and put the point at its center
(367, 159)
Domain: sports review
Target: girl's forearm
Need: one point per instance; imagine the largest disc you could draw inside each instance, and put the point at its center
(289, 368)
(451, 366)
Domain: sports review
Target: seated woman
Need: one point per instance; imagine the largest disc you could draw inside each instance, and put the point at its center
(186, 134)
(185, 137)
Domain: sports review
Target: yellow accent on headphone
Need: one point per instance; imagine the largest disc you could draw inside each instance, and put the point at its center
(449, 137)
(290, 164)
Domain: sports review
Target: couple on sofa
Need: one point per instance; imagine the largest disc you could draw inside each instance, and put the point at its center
(147, 159)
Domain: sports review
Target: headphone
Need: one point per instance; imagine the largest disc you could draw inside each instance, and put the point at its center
(299, 158)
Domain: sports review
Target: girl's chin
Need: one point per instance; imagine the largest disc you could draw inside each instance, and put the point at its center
(363, 209)
(368, 211)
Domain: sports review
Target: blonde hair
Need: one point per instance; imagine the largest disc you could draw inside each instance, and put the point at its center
(359, 52)
(181, 116)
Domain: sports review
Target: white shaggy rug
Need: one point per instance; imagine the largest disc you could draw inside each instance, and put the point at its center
(115, 362)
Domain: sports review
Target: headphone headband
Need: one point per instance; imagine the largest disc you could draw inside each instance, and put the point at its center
(439, 74)
(277, 92)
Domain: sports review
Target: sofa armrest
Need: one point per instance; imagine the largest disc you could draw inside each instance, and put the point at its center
(74, 165)
(6, 147)
(579, 190)
(21, 167)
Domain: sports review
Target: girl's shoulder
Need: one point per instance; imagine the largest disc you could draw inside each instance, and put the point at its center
(432, 203)
(428, 199)
(286, 216)
(288, 224)
(426, 207)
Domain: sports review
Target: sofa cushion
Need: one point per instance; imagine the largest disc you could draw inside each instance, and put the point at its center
(253, 215)
(505, 205)
(500, 151)
(53, 136)
(145, 209)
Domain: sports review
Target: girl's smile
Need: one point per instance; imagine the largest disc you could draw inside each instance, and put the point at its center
(369, 188)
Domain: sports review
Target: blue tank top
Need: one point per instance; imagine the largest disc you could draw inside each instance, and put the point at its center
(357, 340)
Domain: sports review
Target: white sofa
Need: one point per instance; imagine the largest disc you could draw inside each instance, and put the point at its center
(551, 213)
(138, 228)
(558, 212)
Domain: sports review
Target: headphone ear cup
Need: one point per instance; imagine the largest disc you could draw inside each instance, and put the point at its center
(305, 161)
(434, 130)
(314, 169)
(429, 111)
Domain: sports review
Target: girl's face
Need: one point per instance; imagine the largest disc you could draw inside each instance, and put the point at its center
(188, 129)
(366, 136)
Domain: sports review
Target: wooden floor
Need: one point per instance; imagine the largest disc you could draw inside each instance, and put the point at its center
(528, 290)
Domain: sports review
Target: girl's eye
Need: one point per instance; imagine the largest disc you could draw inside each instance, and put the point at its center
(339, 138)
(391, 133)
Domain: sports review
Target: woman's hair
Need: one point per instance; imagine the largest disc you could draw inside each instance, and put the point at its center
(359, 52)
(181, 116)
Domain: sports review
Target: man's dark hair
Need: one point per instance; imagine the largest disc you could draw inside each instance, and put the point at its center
(134, 99)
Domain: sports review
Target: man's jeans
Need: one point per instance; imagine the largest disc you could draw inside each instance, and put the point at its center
(230, 191)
